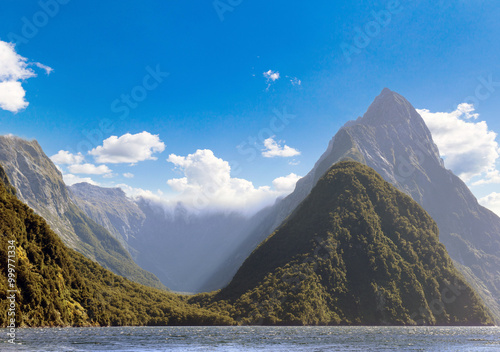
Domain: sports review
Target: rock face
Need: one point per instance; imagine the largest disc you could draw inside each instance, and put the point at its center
(393, 139)
(180, 248)
(110, 208)
(355, 251)
(39, 184)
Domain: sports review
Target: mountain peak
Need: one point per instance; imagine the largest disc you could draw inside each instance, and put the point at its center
(389, 108)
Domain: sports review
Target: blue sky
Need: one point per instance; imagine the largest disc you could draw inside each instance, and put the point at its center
(222, 89)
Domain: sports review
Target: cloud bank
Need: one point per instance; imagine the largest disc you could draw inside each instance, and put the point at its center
(207, 185)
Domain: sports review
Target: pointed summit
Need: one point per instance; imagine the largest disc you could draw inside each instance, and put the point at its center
(391, 108)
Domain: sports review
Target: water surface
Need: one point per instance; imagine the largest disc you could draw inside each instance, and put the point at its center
(310, 339)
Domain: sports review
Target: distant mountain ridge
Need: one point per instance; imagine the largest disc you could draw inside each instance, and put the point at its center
(355, 251)
(180, 248)
(39, 184)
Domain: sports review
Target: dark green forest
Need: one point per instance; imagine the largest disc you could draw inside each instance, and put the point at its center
(356, 251)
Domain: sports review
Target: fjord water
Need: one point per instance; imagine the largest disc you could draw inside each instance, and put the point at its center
(429, 339)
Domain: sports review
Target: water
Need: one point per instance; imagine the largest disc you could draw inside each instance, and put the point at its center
(310, 339)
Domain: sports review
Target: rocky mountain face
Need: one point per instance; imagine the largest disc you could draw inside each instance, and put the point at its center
(355, 251)
(179, 247)
(39, 184)
(110, 208)
(393, 139)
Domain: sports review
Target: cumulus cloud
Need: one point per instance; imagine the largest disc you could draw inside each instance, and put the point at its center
(468, 147)
(12, 96)
(64, 157)
(207, 184)
(70, 179)
(89, 169)
(286, 184)
(273, 149)
(13, 69)
(492, 202)
(129, 148)
(128, 175)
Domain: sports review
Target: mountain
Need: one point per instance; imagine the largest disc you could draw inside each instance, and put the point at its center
(355, 251)
(57, 286)
(39, 184)
(179, 247)
(392, 138)
(110, 208)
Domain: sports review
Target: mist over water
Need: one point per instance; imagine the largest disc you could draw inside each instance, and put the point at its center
(260, 338)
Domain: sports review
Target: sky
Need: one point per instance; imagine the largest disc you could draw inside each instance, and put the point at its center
(228, 103)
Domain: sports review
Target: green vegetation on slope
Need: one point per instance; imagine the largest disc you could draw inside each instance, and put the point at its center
(40, 185)
(98, 244)
(356, 251)
(58, 286)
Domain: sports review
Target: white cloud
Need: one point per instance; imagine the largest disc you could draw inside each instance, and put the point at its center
(286, 184)
(136, 193)
(469, 148)
(295, 81)
(207, 184)
(128, 175)
(129, 148)
(492, 202)
(273, 149)
(12, 96)
(64, 157)
(89, 169)
(271, 75)
(48, 70)
(13, 69)
(70, 179)
(490, 177)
